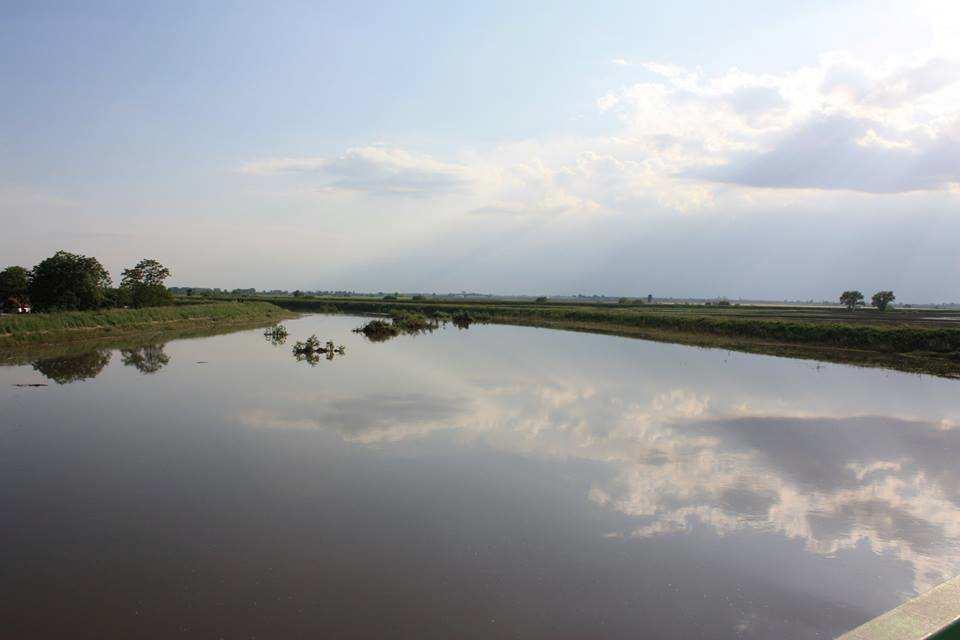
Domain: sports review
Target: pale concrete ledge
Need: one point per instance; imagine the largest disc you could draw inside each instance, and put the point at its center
(926, 617)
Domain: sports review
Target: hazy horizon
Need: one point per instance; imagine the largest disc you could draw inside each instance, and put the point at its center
(689, 151)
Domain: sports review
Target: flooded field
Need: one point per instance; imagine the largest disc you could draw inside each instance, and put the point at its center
(481, 483)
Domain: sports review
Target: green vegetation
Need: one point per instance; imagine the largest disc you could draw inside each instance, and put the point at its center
(378, 330)
(906, 339)
(65, 326)
(461, 320)
(67, 281)
(310, 350)
(851, 299)
(276, 335)
(882, 299)
(413, 322)
(142, 285)
(70, 282)
(14, 282)
(402, 322)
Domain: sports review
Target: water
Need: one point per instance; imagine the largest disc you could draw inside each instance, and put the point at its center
(494, 482)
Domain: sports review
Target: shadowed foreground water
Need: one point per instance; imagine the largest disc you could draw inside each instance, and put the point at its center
(493, 482)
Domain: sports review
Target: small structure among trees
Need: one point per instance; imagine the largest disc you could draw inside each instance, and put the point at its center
(71, 282)
(851, 299)
(14, 282)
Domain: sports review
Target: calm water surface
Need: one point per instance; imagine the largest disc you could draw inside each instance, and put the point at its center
(495, 482)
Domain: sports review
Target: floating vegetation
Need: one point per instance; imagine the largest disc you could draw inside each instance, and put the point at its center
(276, 335)
(378, 330)
(401, 322)
(462, 320)
(311, 350)
(412, 322)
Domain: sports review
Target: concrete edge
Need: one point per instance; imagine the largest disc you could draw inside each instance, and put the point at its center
(925, 617)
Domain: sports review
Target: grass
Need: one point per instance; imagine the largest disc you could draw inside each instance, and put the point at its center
(917, 340)
(17, 331)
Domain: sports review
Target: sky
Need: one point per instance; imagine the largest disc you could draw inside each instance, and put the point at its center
(698, 149)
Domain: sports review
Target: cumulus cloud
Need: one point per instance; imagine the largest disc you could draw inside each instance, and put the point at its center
(841, 124)
(840, 152)
(688, 140)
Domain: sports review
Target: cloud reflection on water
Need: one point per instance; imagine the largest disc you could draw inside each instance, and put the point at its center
(832, 472)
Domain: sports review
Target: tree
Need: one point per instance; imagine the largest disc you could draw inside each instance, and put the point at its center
(142, 285)
(68, 281)
(882, 299)
(541, 300)
(13, 287)
(851, 299)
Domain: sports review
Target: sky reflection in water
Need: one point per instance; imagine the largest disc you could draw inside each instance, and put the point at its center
(497, 481)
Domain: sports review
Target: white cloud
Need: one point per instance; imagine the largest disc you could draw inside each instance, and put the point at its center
(276, 166)
(840, 124)
(692, 141)
(375, 170)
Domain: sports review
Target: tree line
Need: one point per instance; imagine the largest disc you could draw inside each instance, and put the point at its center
(68, 282)
(853, 299)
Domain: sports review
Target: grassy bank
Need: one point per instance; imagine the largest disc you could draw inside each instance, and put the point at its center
(922, 341)
(18, 331)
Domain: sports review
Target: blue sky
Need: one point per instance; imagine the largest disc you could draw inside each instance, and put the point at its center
(694, 149)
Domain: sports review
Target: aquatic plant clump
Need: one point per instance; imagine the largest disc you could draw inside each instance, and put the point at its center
(413, 322)
(311, 350)
(462, 320)
(401, 322)
(276, 335)
(378, 330)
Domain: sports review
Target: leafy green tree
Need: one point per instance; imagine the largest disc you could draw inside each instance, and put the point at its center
(143, 285)
(541, 300)
(851, 299)
(68, 281)
(882, 299)
(13, 287)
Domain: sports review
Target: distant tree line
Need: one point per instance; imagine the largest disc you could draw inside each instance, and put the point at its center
(67, 282)
(853, 299)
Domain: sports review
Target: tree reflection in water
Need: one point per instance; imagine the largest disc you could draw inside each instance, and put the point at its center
(146, 359)
(72, 368)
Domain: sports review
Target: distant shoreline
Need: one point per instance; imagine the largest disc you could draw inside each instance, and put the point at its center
(904, 340)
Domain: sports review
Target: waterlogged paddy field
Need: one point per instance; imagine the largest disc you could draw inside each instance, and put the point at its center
(492, 482)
